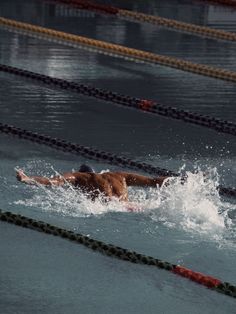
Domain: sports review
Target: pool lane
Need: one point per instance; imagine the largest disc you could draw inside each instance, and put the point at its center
(169, 86)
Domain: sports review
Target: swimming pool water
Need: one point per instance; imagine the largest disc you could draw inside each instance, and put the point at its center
(188, 225)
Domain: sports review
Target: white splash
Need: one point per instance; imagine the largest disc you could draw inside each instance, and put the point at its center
(67, 200)
(192, 206)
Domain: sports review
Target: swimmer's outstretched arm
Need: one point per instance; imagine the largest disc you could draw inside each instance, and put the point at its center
(133, 179)
(34, 180)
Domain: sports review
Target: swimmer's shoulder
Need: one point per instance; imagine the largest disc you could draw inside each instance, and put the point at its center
(83, 175)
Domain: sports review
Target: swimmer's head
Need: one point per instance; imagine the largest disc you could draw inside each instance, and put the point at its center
(86, 168)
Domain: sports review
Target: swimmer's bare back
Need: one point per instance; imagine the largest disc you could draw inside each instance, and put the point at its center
(109, 184)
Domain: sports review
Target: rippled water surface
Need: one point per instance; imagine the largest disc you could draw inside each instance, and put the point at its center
(186, 224)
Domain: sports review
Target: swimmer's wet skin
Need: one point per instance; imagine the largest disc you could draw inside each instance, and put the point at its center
(109, 184)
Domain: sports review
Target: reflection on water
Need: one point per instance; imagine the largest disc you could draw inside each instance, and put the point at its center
(219, 17)
(67, 11)
(187, 11)
(53, 111)
(169, 86)
(188, 224)
(37, 9)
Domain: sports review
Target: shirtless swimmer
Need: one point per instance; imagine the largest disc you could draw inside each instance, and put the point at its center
(109, 184)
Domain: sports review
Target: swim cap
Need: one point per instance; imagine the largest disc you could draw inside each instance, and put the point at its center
(86, 168)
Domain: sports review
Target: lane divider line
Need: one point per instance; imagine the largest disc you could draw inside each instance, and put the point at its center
(96, 154)
(123, 51)
(150, 19)
(148, 106)
(119, 252)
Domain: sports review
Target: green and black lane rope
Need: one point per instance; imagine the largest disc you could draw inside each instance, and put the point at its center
(118, 252)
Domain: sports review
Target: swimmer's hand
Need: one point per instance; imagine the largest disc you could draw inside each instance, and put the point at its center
(23, 177)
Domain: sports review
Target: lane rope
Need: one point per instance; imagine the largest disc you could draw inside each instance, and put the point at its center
(123, 254)
(145, 105)
(151, 19)
(123, 51)
(119, 252)
(96, 154)
(82, 150)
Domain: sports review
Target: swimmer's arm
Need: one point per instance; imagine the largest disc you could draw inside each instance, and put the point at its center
(139, 180)
(55, 181)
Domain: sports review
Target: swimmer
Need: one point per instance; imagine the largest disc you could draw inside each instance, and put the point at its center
(109, 184)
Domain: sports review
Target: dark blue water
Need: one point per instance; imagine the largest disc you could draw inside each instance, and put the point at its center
(190, 225)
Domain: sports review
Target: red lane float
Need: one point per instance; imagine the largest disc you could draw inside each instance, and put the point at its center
(145, 104)
(200, 278)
